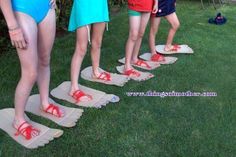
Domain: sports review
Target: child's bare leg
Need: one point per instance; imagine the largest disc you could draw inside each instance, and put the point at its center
(174, 21)
(154, 26)
(28, 61)
(46, 35)
(97, 35)
(134, 24)
(144, 20)
(80, 51)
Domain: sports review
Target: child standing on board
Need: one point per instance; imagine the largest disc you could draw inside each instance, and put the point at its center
(166, 8)
(139, 14)
(88, 18)
(32, 27)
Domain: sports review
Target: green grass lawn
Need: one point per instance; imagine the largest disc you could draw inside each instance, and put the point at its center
(147, 126)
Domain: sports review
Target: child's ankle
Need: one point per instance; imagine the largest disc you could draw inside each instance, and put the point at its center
(168, 47)
(18, 121)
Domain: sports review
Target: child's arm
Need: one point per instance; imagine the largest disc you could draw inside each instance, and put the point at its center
(7, 11)
(155, 6)
(17, 37)
(53, 4)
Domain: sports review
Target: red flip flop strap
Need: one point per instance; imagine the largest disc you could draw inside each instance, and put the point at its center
(156, 57)
(106, 76)
(135, 73)
(140, 62)
(174, 49)
(54, 108)
(176, 46)
(78, 94)
(49, 107)
(129, 72)
(26, 132)
(19, 129)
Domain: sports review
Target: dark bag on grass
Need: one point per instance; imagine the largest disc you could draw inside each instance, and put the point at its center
(218, 20)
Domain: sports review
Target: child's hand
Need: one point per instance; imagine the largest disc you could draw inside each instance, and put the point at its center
(53, 4)
(17, 38)
(155, 7)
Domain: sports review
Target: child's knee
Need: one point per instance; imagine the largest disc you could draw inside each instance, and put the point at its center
(96, 44)
(176, 25)
(134, 35)
(141, 34)
(44, 60)
(31, 75)
(153, 30)
(81, 50)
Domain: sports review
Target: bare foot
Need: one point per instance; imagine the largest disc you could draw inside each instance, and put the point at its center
(128, 67)
(96, 74)
(132, 73)
(133, 61)
(142, 63)
(168, 48)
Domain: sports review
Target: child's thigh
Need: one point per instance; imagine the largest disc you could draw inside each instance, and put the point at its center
(28, 57)
(144, 21)
(155, 22)
(172, 19)
(134, 23)
(82, 35)
(98, 30)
